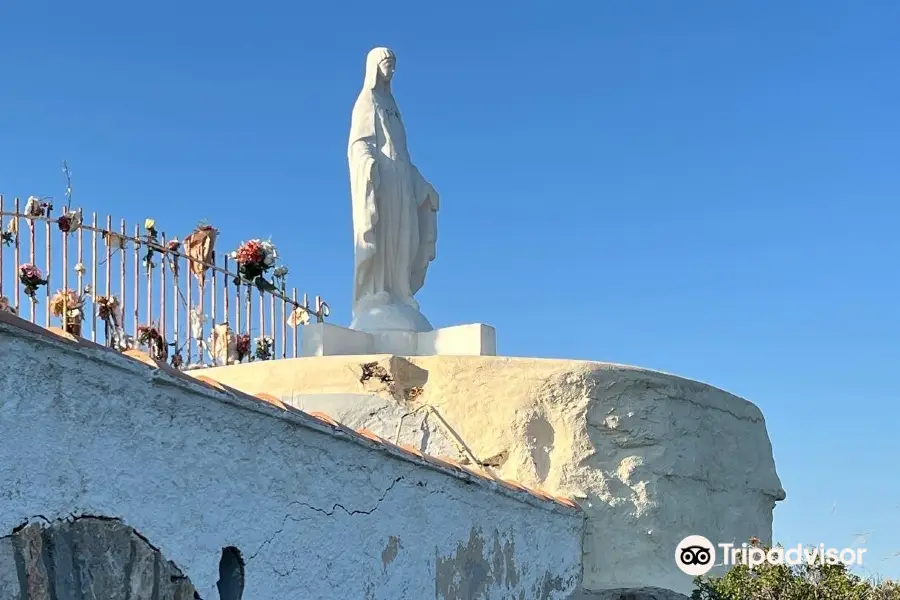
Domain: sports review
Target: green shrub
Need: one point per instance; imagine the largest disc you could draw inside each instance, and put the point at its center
(786, 582)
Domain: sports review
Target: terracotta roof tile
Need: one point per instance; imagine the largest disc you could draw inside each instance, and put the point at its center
(391, 445)
(210, 382)
(441, 463)
(147, 360)
(515, 485)
(320, 416)
(269, 398)
(566, 502)
(539, 493)
(295, 410)
(412, 450)
(62, 333)
(369, 435)
(475, 472)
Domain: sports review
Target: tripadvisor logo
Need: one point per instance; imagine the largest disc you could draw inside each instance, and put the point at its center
(695, 555)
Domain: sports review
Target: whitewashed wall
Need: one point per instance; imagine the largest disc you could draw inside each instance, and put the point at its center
(84, 431)
(651, 457)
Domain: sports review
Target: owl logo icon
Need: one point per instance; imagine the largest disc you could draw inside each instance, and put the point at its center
(695, 555)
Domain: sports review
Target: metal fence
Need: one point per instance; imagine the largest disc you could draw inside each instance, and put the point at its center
(134, 288)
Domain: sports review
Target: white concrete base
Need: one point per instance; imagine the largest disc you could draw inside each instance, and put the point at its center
(325, 339)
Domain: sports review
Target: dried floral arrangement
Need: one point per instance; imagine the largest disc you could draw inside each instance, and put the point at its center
(69, 221)
(199, 246)
(36, 207)
(68, 305)
(242, 346)
(109, 310)
(149, 336)
(257, 266)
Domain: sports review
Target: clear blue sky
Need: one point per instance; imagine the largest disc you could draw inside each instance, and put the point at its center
(705, 188)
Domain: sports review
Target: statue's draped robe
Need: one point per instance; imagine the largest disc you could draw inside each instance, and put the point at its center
(394, 207)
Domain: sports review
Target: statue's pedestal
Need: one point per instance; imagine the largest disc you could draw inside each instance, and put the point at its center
(325, 339)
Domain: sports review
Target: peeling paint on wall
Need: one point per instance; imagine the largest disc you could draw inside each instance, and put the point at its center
(478, 570)
(390, 551)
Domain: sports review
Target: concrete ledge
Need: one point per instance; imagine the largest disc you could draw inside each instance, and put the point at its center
(462, 340)
(325, 339)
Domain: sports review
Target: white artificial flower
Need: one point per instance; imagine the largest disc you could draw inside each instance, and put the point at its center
(271, 253)
(299, 316)
(74, 219)
(80, 268)
(221, 345)
(280, 271)
(264, 346)
(33, 207)
(197, 321)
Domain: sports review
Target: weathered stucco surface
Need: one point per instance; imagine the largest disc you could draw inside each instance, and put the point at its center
(654, 457)
(88, 432)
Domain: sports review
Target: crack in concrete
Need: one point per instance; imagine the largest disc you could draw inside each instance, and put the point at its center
(325, 512)
(679, 396)
(350, 512)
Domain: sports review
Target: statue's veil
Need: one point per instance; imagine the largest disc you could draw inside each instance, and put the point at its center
(374, 58)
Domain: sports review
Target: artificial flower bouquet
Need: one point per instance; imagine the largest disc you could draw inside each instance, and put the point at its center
(254, 259)
(32, 278)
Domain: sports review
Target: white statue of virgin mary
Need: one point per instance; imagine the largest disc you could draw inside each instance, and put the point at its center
(394, 209)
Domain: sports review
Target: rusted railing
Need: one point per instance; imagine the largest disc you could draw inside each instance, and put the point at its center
(131, 289)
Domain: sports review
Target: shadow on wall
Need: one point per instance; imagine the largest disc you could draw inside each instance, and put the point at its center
(99, 557)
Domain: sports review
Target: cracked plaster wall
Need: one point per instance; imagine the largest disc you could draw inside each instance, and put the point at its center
(86, 432)
(651, 457)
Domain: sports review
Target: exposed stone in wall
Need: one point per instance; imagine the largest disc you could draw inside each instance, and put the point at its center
(87, 558)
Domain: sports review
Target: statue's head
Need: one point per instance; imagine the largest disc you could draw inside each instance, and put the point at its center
(380, 65)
